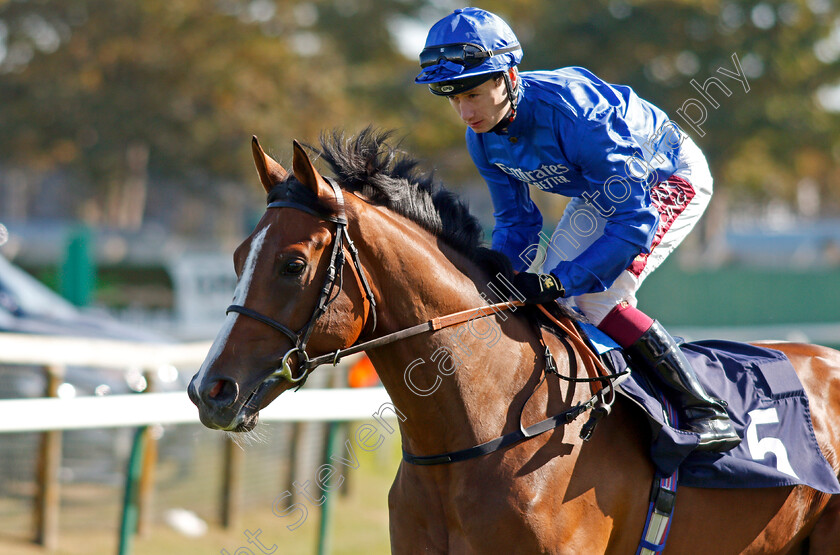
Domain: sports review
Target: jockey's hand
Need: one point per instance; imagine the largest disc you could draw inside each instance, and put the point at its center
(538, 288)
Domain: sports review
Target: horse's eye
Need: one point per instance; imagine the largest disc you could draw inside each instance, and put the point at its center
(294, 267)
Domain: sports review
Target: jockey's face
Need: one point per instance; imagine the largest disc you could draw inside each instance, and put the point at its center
(484, 106)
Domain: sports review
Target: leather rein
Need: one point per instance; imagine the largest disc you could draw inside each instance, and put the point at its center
(601, 399)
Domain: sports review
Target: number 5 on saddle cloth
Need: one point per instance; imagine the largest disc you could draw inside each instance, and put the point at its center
(767, 405)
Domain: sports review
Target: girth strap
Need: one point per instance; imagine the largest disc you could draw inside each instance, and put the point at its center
(662, 501)
(511, 438)
(597, 400)
(508, 439)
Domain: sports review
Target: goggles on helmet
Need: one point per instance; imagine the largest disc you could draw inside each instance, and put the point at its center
(466, 54)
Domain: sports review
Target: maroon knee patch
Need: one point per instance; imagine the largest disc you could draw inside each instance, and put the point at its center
(625, 324)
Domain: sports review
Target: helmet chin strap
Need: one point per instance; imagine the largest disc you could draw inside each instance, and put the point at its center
(511, 78)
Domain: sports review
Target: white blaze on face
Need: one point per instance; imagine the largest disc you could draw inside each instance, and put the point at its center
(239, 296)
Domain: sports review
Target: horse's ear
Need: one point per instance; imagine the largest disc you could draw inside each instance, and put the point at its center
(271, 173)
(306, 173)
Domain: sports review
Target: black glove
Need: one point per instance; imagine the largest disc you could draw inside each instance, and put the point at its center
(538, 288)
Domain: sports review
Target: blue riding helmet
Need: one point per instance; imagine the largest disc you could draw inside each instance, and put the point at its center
(466, 48)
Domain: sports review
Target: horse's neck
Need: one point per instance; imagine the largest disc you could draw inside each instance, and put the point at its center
(458, 386)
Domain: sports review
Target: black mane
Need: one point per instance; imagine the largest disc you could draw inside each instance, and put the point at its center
(370, 165)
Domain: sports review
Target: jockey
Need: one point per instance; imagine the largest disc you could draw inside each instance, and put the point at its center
(637, 185)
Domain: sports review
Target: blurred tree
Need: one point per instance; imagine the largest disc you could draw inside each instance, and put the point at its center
(117, 91)
(134, 94)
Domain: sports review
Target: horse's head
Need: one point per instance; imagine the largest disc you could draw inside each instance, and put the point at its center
(289, 299)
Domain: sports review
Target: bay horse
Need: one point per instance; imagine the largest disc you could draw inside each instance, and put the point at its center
(413, 253)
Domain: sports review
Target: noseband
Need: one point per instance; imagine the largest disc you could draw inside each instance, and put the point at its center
(334, 278)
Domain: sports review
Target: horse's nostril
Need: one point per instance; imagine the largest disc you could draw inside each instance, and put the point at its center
(221, 393)
(217, 388)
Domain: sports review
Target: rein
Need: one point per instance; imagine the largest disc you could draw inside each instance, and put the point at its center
(430, 325)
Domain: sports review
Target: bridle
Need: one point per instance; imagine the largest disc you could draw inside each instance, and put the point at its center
(333, 279)
(295, 198)
(304, 202)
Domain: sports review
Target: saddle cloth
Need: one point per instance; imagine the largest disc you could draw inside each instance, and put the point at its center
(768, 407)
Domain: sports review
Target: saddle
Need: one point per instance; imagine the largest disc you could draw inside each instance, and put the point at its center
(765, 400)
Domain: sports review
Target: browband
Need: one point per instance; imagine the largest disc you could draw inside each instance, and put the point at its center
(298, 196)
(309, 210)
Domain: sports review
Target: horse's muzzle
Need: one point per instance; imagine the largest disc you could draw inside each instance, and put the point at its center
(218, 401)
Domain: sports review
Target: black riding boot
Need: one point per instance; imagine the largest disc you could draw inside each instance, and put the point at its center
(658, 353)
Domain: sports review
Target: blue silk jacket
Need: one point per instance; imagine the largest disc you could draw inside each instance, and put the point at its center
(577, 136)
